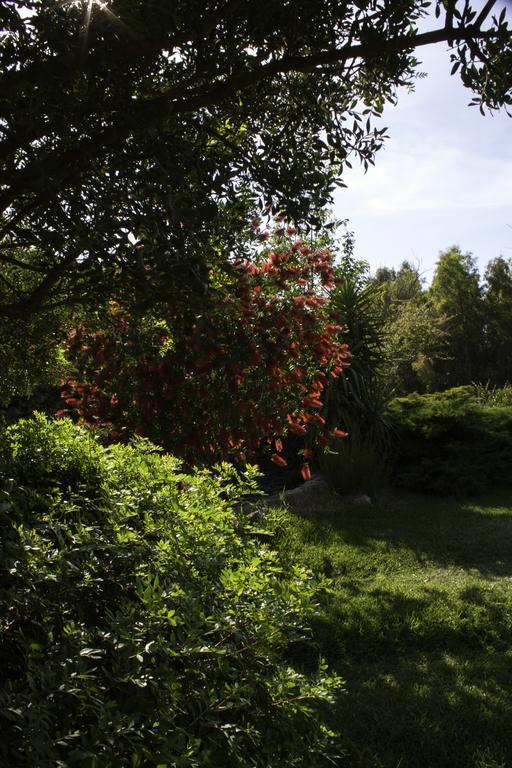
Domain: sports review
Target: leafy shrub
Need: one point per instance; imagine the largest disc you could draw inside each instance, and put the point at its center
(247, 366)
(143, 620)
(492, 396)
(448, 443)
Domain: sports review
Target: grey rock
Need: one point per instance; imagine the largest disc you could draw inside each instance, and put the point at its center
(309, 490)
(312, 497)
(360, 500)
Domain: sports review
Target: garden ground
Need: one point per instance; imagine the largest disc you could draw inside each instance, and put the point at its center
(418, 623)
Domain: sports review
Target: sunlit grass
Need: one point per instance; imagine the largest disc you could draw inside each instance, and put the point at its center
(419, 624)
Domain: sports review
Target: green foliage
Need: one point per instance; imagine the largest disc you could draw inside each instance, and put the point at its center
(415, 345)
(199, 113)
(456, 293)
(30, 349)
(358, 306)
(413, 330)
(498, 320)
(448, 443)
(143, 620)
(492, 396)
(457, 331)
(402, 285)
(30, 355)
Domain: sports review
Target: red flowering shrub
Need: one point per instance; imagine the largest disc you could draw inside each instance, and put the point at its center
(251, 366)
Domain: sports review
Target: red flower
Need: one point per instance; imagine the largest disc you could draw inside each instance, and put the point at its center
(315, 418)
(312, 402)
(278, 460)
(279, 445)
(339, 433)
(297, 429)
(305, 472)
(73, 401)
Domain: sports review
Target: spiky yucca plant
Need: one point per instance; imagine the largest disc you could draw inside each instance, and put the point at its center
(358, 398)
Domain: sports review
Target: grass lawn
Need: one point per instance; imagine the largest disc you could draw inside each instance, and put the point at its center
(419, 624)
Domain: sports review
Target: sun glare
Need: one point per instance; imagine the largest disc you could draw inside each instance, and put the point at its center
(85, 3)
(88, 7)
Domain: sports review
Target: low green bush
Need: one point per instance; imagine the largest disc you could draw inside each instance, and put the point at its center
(449, 443)
(143, 620)
(495, 397)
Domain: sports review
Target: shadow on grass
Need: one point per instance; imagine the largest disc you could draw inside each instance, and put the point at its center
(365, 625)
(418, 711)
(468, 534)
(428, 679)
(419, 624)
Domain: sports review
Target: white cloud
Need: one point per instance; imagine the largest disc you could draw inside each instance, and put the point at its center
(429, 176)
(444, 177)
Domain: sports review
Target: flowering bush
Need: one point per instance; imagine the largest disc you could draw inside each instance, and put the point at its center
(250, 365)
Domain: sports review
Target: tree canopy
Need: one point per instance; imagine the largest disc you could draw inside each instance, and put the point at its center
(498, 325)
(137, 138)
(456, 292)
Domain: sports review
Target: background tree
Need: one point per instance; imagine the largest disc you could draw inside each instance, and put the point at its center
(498, 320)
(413, 329)
(415, 346)
(456, 293)
(174, 122)
(403, 284)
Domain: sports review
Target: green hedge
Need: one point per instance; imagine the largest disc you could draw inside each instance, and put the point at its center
(448, 443)
(143, 620)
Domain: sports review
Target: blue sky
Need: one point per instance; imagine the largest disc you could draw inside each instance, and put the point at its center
(444, 177)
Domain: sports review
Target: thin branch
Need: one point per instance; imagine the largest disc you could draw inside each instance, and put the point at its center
(484, 13)
(18, 263)
(70, 163)
(36, 298)
(19, 244)
(373, 49)
(69, 302)
(450, 10)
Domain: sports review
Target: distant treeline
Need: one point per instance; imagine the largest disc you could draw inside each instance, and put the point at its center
(456, 331)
